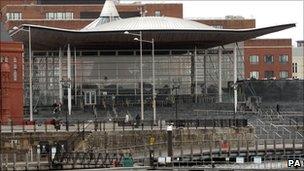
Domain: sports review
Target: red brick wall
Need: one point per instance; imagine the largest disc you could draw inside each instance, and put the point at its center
(262, 47)
(3, 3)
(13, 50)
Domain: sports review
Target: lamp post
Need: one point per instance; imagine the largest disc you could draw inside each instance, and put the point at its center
(30, 67)
(141, 73)
(153, 78)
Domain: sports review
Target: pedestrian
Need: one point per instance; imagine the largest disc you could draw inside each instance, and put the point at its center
(278, 108)
(55, 107)
(137, 118)
(127, 118)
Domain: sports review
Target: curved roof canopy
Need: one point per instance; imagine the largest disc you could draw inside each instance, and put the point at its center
(106, 32)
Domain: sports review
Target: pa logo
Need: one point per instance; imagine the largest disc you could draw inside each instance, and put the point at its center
(294, 163)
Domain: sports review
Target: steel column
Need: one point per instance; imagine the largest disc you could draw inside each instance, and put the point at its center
(220, 75)
(153, 81)
(75, 77)
(205, 71)
(30, 75)
(60, 75)
(69, 79)
(195, 72)
(141, 78)
(235, 77)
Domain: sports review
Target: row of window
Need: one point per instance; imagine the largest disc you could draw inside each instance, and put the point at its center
(48, 16)
(268, 59)
(59, 15)
(54, 15)
(268, 74)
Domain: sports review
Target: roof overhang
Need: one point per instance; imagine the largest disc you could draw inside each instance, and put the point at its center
(49, 38)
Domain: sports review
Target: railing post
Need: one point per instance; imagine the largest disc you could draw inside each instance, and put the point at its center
(78, 126)
(34, 126)
(23, 127)
(12, 126)
(265, 147)
(83, 130)
(45, 126)
(161, 124)
(67, 125)
(284, 150)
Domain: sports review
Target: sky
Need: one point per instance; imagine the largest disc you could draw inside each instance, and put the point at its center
(266, 13)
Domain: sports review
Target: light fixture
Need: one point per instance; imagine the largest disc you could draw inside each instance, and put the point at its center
(126, 32)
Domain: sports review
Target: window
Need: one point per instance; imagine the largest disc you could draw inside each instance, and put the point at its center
(254, 59)
(294, 67)
(283, 59)
(254, 74)
(15, 75)
(59, 16)
(283, 74)
(15, 69)
(269, 59)
(90, 97)
(14, 16)
(157, 13)
(269, 74)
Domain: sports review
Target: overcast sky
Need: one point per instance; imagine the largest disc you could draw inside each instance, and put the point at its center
(266, 13)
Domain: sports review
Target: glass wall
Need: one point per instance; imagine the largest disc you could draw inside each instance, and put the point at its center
(118, 73)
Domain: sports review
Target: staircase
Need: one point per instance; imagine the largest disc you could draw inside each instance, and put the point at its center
(270, 124)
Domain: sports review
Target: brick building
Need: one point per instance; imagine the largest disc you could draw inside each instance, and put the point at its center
(268, 58)
(76, 16)
(11, 81)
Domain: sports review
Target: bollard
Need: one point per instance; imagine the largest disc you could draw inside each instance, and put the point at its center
(38, 157)
(26, 161)
(113, 125)
(14, 156)
(210, 152)
(170, 141)
(104, 125)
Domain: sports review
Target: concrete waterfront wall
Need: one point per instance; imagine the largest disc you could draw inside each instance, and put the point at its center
(136, 140)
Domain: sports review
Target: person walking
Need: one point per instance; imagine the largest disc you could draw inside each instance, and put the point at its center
(137, 118)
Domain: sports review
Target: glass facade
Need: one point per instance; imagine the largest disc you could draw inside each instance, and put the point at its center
(99, 73)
